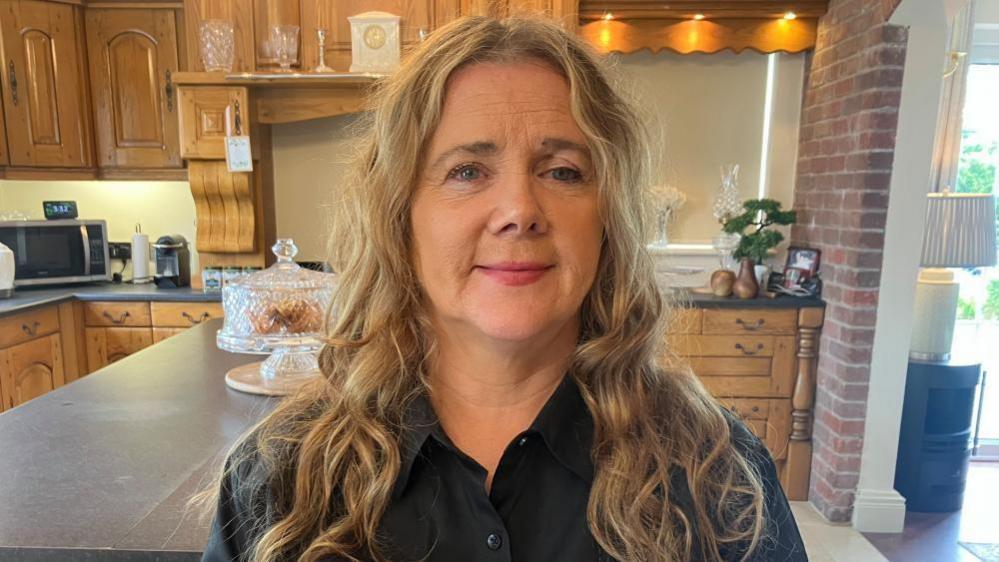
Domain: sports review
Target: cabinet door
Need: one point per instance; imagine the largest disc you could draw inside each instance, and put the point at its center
(133, 55)
(31, 369)
(160, 334)
(44, 92)
(3, 138)
(107, 345)
(203, 119)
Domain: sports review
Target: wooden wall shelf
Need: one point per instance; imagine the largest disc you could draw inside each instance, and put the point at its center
(279, 97)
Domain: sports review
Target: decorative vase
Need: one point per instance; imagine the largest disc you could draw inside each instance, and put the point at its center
(662, 228)
(745, 286)
(762, 276)
(724, 244)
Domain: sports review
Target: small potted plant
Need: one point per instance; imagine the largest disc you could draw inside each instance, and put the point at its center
(757, 239)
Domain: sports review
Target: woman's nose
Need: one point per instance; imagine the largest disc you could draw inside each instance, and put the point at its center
(517, 209)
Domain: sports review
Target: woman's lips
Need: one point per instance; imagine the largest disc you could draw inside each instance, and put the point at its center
(515, 273)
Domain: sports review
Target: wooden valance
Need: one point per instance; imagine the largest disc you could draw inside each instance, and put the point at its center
(705, 26)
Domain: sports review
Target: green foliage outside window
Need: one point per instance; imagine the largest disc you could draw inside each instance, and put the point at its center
(965, 309)
(990, 310)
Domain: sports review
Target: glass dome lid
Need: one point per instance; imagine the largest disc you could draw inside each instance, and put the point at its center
(284, 305)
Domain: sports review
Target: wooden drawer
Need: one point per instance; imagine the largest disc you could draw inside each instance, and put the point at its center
(749, 321)
(24, 326)
(111, 314)
(685, 321)
(722, 346)
(770, 420)
(160, 334)
(770, 374)
(183, 314)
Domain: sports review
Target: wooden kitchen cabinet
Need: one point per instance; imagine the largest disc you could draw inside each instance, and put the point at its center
(203, 119)
(107, 345)
(3, 141)
(760, 363)
(133, 55)
(29, 370)
(44, 83)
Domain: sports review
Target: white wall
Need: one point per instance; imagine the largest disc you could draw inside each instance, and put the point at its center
(709, 110)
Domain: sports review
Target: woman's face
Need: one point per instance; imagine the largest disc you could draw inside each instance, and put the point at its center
(505, 219)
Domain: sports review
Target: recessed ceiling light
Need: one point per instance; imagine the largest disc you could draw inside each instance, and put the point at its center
(790, 15)
(698, 16)
(608, 16)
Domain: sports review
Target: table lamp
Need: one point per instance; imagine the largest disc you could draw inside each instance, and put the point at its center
(960, 232)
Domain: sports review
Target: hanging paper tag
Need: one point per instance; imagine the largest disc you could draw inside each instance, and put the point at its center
(237, 154)
(237, 147)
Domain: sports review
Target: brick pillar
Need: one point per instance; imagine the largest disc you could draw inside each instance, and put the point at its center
(847, 140)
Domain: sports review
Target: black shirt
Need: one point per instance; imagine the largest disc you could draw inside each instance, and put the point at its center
(535, 510)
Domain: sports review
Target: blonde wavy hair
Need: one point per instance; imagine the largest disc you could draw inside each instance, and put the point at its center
(327, 458)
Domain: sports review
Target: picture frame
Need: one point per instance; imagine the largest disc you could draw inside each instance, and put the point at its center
(805, 260)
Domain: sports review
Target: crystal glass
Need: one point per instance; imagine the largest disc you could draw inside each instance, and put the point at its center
(284, 42)
(662, 228)
(724, 244)
(217, 45)
(282, 311)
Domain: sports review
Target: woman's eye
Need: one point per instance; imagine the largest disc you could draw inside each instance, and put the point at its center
(465, 172)
(566, 175)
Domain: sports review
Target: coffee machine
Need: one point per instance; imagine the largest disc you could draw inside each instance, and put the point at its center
(173, 262)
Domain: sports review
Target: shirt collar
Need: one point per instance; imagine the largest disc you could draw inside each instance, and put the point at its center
(564, 423)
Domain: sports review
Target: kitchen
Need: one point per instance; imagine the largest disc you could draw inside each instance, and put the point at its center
(119, 116)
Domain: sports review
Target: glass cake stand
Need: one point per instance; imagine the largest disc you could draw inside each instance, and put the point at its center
(281, 312)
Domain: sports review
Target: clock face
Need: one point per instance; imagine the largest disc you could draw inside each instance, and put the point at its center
(374, 36)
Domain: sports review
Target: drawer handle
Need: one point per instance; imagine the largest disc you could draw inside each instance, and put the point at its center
(195, 321)
(756, 409)
(120, 320)
(740, 347)
(750, 327)
(31, 330)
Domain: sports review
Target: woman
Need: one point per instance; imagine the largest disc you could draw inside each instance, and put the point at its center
(495, 385)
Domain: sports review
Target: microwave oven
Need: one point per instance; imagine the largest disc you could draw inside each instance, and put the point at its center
(50, 252)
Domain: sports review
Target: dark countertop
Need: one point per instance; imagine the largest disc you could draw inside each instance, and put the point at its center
(101, 468)
(684, 297)
(27, 297)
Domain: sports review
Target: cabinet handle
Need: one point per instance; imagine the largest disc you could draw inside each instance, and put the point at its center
(742, 348)
(237, 119)
(750, 327)
(168, 90)
(120, 320)
(30, 330)
(195, 321)
(13, 81)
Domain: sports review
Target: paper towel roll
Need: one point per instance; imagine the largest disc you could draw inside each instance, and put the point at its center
(140, 258)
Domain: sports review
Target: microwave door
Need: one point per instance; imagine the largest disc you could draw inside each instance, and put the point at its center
(50, 252)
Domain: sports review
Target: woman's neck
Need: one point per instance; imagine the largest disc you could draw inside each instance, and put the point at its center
(485, 394)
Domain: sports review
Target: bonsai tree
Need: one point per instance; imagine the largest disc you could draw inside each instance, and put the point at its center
(758, 215)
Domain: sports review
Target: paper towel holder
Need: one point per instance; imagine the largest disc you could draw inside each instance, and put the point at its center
(140, 257)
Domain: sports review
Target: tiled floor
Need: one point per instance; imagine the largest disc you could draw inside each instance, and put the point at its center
(826, 542)
(933, 537)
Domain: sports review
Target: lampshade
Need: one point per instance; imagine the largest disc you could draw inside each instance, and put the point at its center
(960, 230)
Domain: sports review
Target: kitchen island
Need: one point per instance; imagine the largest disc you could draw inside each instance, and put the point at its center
(101, 469)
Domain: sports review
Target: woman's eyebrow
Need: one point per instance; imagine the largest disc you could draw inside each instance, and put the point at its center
(478, 148)
(489, 148)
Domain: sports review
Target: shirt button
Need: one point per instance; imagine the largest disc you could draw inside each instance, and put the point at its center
(494, 541)
(521, 442)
